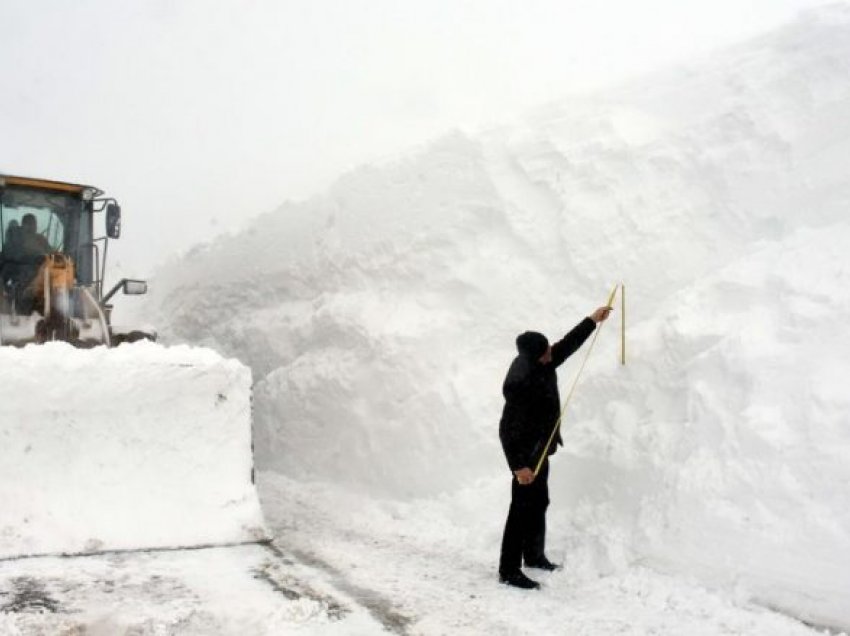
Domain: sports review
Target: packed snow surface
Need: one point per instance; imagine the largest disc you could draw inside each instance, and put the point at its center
(135, 447)
(379, 320)
(235, 591)
(353, 565)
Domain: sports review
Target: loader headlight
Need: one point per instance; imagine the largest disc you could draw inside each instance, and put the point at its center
(88, 194)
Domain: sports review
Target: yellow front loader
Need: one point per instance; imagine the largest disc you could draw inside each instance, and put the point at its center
(101, 447)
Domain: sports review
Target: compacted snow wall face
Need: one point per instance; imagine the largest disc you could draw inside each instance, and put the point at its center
(723, 448)
(379, 319)
(140, 446)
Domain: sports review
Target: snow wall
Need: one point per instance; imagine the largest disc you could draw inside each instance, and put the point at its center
(140, 446)
(379, 318)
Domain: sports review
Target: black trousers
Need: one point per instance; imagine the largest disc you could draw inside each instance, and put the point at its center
(525, 529)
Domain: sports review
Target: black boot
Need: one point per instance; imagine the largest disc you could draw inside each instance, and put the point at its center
(518, 579)
(543, 564)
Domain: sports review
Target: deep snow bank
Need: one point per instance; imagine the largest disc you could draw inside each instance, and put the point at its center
(379, 318)
(139, 446)
(723, 449)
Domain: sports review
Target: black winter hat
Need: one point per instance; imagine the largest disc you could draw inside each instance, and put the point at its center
(532, 344)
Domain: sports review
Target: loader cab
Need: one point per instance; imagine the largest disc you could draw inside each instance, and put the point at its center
(36, 221)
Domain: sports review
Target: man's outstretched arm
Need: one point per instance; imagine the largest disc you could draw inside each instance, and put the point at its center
(570, 343)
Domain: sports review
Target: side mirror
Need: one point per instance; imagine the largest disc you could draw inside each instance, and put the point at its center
(135, 287)
(128, 286)
(113, 221)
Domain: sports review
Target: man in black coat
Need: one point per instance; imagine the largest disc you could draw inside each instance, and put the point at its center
(532, 408)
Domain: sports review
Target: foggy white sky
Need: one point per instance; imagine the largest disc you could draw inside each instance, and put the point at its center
(200, 114)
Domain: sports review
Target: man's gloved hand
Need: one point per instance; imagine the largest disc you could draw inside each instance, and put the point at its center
(524, 476)
(601, 314)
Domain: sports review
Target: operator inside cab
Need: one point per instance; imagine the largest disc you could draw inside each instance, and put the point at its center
(25, 249)
(32, 242)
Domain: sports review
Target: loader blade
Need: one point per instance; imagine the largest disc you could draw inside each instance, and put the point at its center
(136, 447)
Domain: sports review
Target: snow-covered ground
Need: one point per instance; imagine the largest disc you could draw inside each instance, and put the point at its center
(702, 488)
(245, 590)
(433, 560)
(354, 565)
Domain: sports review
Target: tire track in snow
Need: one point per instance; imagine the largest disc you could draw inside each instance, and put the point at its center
(380, 607)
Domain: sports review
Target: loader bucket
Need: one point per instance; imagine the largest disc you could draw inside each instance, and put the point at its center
(136, 447)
